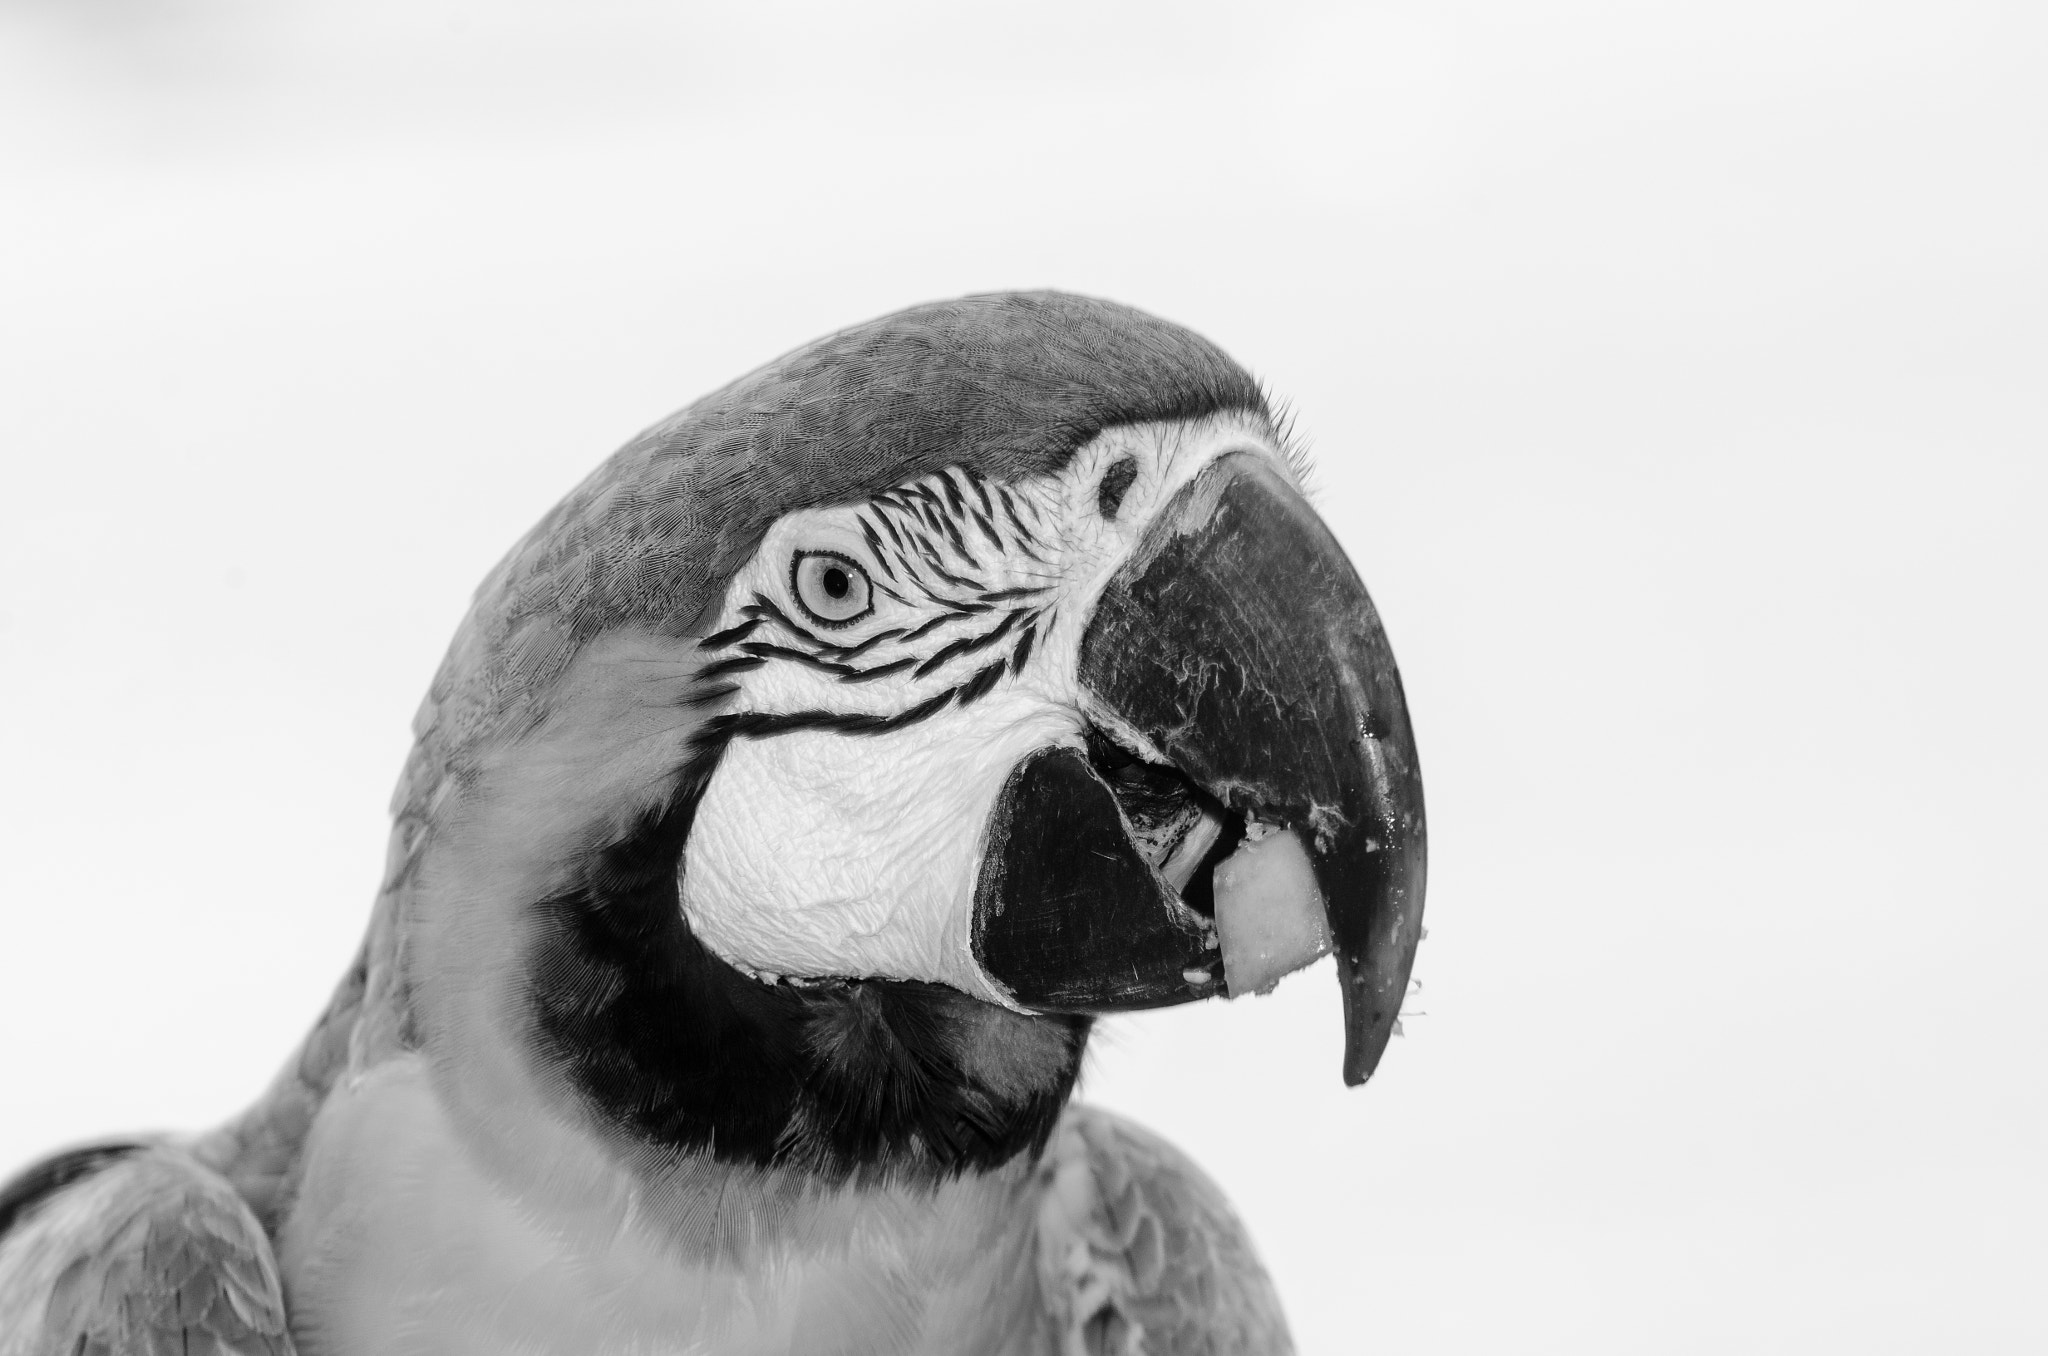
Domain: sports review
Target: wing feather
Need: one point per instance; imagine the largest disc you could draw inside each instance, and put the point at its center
(134, 1249)
(1140, 1255)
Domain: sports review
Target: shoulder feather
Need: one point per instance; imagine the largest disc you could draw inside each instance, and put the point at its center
(1140, 1255)
(134, 1249)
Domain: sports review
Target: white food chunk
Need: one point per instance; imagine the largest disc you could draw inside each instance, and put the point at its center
(1269, 913)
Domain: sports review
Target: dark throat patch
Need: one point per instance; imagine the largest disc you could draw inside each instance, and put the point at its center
(870, 1080)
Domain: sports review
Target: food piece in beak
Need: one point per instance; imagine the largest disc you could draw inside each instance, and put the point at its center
(1269, 910)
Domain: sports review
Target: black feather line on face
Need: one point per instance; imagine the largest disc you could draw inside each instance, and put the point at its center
(940, 514)
(923, 629)
(988, 528)
(980, 484)
(710, 694)
(725, 668)
(819, 649)
(869, 674)
(764, 607)
(867, 530)
(856, 651)
(754, 653)
(953, 534)
(967, 645)
(1010, 512)
(957, 581)
(760, 724)
(977, 687)
(931, 556)
(857, 1080)
(1022, 653)
(953, 605)
(882, 515)
(718, 640)
(767, 650)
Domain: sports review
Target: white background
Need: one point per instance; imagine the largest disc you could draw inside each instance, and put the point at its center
(1679, 380)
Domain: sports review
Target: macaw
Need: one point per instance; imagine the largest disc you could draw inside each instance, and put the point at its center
(789, 803)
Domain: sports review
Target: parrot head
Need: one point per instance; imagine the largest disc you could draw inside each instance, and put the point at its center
(800, 788)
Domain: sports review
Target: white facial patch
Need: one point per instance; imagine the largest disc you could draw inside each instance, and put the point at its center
(892, 661)
(821, 853)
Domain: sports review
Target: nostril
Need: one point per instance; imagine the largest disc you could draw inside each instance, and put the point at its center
(1116, 483)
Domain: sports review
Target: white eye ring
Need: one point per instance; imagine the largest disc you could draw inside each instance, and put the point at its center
(831, 589)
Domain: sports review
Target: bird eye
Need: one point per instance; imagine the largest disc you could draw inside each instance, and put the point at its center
(830, 588)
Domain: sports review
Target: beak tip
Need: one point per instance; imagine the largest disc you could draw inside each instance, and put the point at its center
(1369, 1021)
(1362, 1051)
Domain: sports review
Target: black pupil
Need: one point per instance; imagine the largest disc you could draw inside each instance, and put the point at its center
(835, 581)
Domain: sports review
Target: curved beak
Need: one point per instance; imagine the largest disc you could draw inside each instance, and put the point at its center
(1239, 644)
